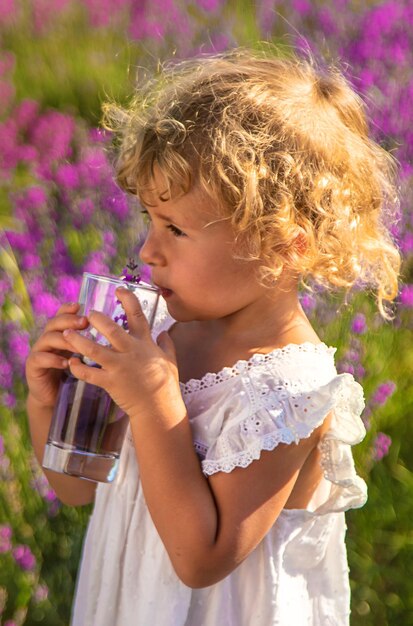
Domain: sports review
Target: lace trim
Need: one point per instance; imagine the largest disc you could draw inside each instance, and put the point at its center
(243, 366)
(245, 457)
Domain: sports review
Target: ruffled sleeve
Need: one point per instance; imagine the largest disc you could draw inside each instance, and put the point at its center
(285, 417)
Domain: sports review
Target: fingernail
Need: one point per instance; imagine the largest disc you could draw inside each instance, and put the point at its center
(65, 363)
(67, 332)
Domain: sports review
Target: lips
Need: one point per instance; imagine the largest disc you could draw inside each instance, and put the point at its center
(165, 293)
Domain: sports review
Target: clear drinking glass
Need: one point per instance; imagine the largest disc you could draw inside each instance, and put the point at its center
(87, 429)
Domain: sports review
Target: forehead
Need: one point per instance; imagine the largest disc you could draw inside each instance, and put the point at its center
(195, 206)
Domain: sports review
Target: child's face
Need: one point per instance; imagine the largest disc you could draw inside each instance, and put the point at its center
(192, 259)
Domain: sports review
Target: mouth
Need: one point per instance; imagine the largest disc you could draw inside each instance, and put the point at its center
(165, 293)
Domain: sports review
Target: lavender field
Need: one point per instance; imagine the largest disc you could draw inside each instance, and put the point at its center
(61, 214)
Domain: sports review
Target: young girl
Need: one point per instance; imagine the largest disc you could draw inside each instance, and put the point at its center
(228, 508)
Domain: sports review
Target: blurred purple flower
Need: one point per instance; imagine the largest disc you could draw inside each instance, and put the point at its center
(1, 446)
(30, 261)
(19, 346)
(52, 135)
(41, 593)
(35, 197)
(8, 142)
(9, 400)
(24, 557)
(21, 241)
(96, 265)
(94, 168)
(67, 288)
(381, 446)
(50, 495)
(209, 5)
(67, 176)
(62, 263)
(406, 243)
(5, 538)
(406, 296)
(358, 324)
(25, 113)
(6, 372)
(45, 303)
(86, 208)
(117, 203)
(301, 6)
(8, 12)
(383, 392)
(308, 302)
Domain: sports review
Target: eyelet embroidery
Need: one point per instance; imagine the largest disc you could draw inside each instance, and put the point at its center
(244, 366)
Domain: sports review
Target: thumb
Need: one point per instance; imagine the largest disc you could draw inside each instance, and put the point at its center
(167, 346)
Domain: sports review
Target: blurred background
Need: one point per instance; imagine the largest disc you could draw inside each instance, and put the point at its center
(61, 214)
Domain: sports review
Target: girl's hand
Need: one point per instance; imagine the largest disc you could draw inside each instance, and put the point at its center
(136, 372)
(50, 354)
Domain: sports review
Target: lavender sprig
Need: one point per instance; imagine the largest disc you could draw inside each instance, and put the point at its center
(130, 274)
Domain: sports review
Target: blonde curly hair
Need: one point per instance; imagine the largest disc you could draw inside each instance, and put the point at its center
(283, 148)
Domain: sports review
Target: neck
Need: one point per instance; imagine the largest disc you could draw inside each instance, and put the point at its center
(264, 323)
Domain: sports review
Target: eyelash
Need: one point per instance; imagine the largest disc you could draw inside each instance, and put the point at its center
(177, 232)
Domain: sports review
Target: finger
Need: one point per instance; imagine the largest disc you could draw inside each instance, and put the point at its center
(137, 322)
(88, 348)
(68, 307)
(92, 375)
(51, 341)
(40, 361)
(116, 336)
(67, 320)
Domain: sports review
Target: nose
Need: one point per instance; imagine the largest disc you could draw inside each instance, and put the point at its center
(150, 252)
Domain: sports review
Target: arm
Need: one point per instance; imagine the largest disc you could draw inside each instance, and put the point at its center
(208, 526)
(44, 364)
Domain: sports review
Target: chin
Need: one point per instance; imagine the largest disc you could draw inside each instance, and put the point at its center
(182, 314)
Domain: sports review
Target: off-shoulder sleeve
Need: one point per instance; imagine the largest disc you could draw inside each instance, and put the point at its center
(287, 418)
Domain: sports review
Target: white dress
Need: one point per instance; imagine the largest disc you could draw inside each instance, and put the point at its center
(298, 574)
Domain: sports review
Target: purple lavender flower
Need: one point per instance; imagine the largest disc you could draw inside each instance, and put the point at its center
(45, 303)
(358, 324)
(25, 114)
(19, 346)
(383, 392)
(6, 372)
(406, 296)
(24, 557)
(308, 302)
(67, 176)
(5, 538)
(30, 261)
(41, 593)
(8, 12)
(67, 288)
(9, 400)
(381, 446)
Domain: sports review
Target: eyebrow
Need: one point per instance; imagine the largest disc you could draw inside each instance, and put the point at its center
(166, 218)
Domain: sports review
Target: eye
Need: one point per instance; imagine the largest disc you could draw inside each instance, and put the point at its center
(177, 232)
